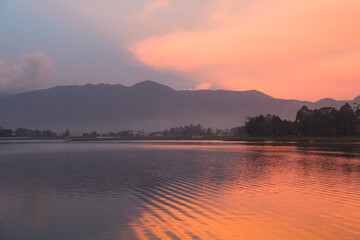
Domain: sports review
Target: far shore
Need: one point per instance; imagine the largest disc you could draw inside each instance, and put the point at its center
(197, 138)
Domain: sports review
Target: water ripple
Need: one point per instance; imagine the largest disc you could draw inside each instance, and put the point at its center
(176, 190)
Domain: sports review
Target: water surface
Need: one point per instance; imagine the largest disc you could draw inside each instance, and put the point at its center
(178, 190)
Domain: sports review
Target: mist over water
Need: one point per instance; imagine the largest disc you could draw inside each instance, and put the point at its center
(178, 190)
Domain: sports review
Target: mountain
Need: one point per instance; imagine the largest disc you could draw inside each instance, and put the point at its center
(146, 105)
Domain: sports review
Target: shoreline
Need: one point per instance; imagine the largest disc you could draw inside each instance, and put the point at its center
(227, 139)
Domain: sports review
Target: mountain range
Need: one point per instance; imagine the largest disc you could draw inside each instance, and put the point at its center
(147, 105)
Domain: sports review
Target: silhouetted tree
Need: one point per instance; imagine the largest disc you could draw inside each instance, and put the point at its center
(66, 134)
(190, 131)
(22, 132)
(5, 132)
(327, 121)
(94, 134)
(269, 125)
(255, 126)
(303, 120)
(357, 116)
(347, 121)
(238, 131)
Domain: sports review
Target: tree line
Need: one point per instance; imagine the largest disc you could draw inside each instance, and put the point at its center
(191, 131)
(324, 122)
(118, 134)
(24, 132)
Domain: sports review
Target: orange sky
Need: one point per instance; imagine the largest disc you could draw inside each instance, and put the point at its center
(301, 49)
(286, 48)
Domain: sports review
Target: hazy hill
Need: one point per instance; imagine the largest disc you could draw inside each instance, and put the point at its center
(146, 105)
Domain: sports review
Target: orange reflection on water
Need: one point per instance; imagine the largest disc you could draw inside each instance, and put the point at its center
(277, 193)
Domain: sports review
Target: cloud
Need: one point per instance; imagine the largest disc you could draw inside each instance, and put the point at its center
(155, 5)
(203, 86)
(286, 48)
(121, 22)
(30, 74)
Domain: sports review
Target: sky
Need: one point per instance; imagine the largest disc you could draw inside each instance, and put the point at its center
(291, 49)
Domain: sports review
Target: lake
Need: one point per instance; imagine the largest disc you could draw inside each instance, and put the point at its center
(53, 190)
